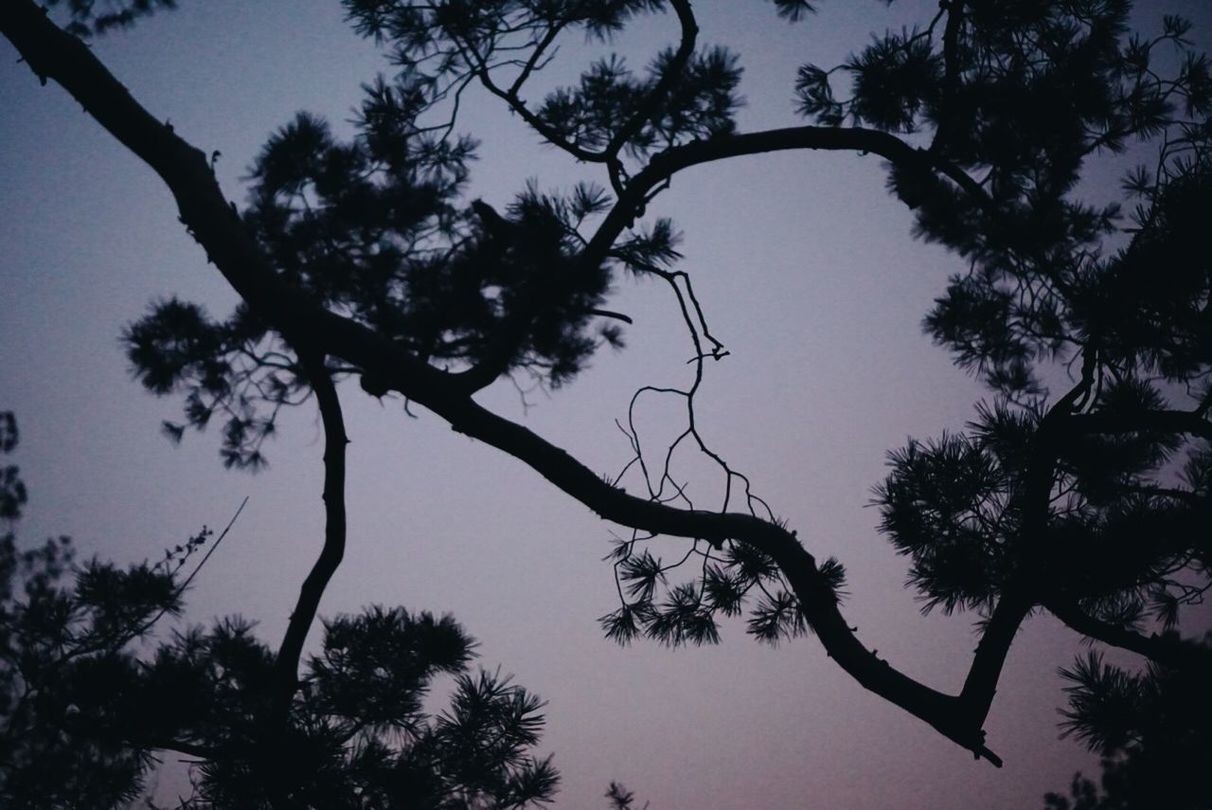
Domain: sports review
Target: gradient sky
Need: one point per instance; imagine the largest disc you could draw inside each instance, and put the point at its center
(807, 272)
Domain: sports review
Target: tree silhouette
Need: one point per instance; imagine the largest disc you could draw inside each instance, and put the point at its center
(89, 700)
(1151, 729)
(99, 16)
(361, 259)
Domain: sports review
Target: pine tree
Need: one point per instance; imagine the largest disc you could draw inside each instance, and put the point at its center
(1081, 487)
(91, 697)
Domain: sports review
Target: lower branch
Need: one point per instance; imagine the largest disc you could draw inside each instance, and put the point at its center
(286, 667)
(946, 713)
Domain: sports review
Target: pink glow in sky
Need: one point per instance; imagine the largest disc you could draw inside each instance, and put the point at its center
(806, 269)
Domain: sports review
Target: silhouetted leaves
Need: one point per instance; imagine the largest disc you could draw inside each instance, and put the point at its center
(815, 96)
(12, 489)
(1151, 730)
(370, 229)
(777, 617)
(895, 78)
(66, 681)
(100, 16)
(945, 505)
(740, 579)
(83, 710)
(794, 10)
(84, 705)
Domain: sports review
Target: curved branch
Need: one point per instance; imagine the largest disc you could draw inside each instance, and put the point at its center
(944, 712)
(852, 139)
(306, 325)
(510, 96)
(286, 666)
(1169, 651)
(652, 104)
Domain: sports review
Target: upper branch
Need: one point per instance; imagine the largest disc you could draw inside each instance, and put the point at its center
(854, 139)
(652, 104)
(518, 106)
(536, 57)
(951, 69)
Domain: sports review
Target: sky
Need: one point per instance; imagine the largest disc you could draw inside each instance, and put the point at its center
(807, 272)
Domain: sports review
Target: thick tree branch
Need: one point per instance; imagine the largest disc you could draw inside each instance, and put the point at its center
(677, 158)
(286, 667)
(1018, 597)
(1040, 474)
(981, 684)
(1169, 651)
(184, 168)
(951, 72)
(1142, 422)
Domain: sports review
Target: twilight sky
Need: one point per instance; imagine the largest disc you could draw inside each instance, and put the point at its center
(807, 272)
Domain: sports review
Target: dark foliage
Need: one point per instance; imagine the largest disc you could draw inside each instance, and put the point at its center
(1081, 487)
(89, 699)
(98, 16)
(1096, 498)
(1093, 503)
(1153, 731)
(1009, 103)
(375, 228)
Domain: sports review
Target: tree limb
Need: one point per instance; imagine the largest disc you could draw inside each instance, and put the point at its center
(853, 139)
(951, 72)
(1142, 421)
(1167, 650)
(985, 672)
(303, 323)
(286, 666)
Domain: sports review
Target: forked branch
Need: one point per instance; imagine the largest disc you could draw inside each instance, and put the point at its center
(302, 322)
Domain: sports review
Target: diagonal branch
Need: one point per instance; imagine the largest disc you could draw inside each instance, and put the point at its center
(482, 69)
(1167, 650)
(303, 323)
(981, 684)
